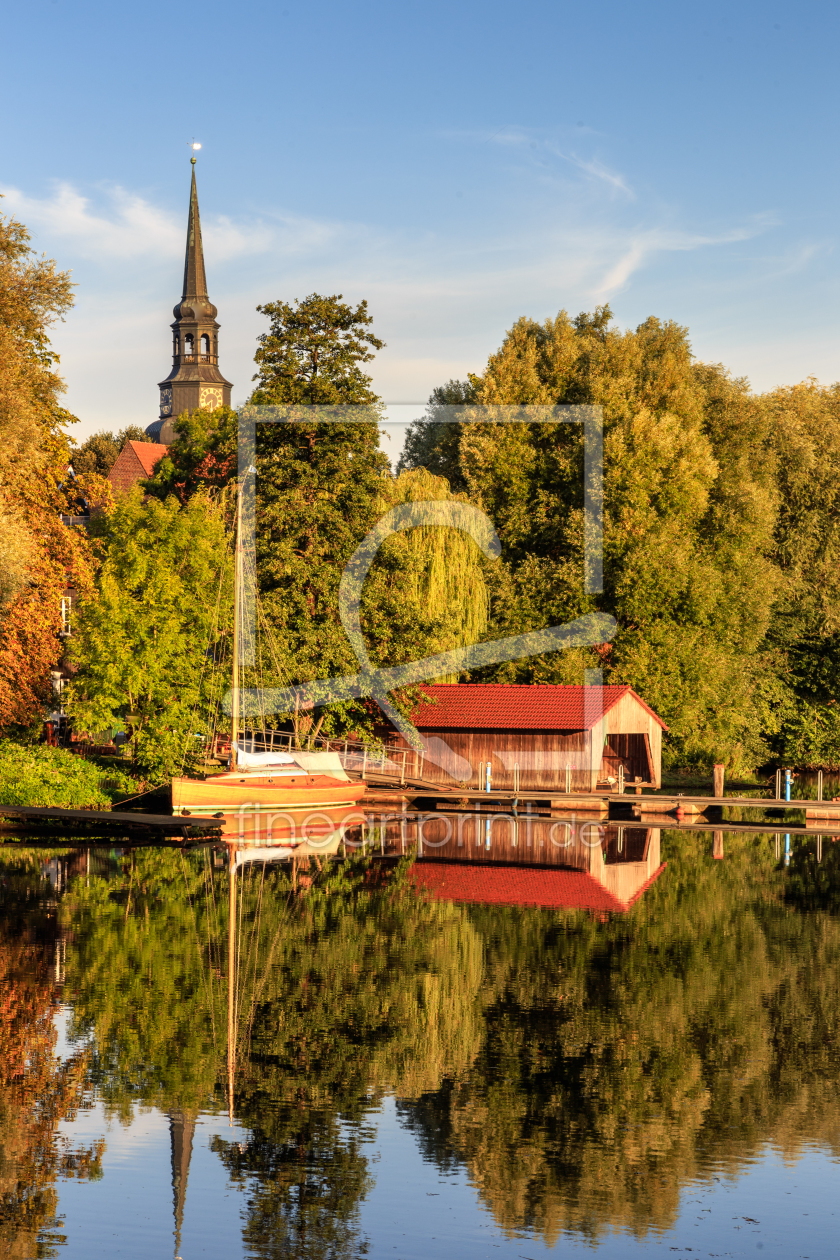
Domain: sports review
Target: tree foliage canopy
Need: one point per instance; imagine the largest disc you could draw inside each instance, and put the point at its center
(146, 636)
(719, 529)
(36, 550)
(314, 351)
(98, 453)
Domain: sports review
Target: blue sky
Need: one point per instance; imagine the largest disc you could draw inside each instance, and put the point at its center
(458, 165)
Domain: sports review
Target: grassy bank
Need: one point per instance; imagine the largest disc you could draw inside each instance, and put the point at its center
(33, 774)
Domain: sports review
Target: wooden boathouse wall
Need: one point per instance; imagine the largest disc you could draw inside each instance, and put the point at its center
(628, 734)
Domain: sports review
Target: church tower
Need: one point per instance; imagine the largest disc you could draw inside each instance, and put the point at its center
(195, 379)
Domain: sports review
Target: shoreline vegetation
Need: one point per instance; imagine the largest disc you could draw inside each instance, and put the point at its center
(721, 541)
(37, 775)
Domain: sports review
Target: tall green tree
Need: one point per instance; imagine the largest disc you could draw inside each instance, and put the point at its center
(320, 481)
(314, 352)
(688, 522)
(804, 632)
(148, 637)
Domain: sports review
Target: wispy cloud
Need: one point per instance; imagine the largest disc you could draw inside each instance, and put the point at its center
(643, 246)
(130, 227)
(127, 226)
(524, 139)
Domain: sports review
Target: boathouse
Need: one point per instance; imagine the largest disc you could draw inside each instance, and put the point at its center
(561, 738)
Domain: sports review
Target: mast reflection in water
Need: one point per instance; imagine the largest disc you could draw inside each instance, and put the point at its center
(529, 1040)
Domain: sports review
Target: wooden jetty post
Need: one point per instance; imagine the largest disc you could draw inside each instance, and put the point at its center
(719, 769)
(717, 843)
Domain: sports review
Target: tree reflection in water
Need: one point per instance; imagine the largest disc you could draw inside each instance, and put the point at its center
(37, 1089)
(582, 1069)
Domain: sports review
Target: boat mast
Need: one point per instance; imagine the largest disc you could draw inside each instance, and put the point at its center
(237, 599)
(231, 1026)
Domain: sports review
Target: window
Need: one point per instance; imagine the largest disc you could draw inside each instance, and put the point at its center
(66, 610)
(205, 344)
(188, 344)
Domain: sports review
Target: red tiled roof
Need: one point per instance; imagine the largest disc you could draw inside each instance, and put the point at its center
(518, 706)
(148, 453)
(135, 462)
(518, 886)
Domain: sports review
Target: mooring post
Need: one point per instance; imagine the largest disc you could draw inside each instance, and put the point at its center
(621, 779)
(364, 762)
(568, 778)
(719, 782)
(778, 785)
(819, 787)
(788, 777)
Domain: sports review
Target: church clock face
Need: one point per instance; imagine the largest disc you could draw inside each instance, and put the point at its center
(210, 397)
(166, 401)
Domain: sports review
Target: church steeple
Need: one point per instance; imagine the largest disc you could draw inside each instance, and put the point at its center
(195, 279)
(195, 379)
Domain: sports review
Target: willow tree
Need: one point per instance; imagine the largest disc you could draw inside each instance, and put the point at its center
(431, 576)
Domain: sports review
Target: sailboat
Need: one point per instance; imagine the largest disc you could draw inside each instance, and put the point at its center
(292, 783)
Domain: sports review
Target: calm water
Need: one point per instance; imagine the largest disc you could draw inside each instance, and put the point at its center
(413, 1076)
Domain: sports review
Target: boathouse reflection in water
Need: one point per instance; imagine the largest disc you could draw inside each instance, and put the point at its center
(583, 864)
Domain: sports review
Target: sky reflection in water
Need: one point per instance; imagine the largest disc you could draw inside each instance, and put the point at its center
(418, 1077)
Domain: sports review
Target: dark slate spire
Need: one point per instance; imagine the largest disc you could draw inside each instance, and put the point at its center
(181, 1131)
(194, 304)
(195, 280)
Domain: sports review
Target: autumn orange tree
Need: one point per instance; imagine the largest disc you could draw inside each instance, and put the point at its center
(37, 551)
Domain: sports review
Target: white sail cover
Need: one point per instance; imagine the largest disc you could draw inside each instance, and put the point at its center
(322, 763)
(312, 762)
(271, 758)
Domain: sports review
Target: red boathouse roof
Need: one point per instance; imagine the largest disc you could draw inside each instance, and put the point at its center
(519, 706)
(520, 886)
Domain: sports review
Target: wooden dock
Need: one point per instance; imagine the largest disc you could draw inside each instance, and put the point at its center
(604, 802)
(111, 820)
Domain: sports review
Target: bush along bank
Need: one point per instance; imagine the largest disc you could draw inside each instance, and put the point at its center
(34, 774)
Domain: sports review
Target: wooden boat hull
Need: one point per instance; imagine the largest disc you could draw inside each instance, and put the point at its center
(250, 836)
(226, 792)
